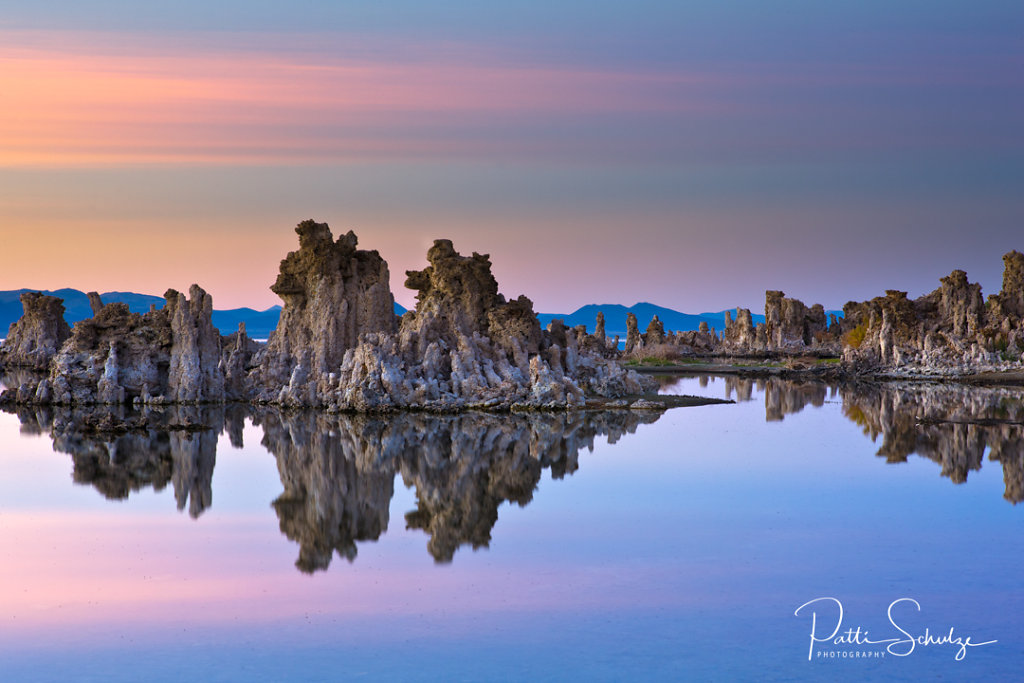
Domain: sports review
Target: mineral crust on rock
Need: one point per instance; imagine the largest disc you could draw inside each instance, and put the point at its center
(171, 355)
(465, 345)
(950, 331)
(338, 343)
(333, 294)
(35, 338)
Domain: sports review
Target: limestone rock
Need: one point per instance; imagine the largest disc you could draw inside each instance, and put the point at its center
(332, 293)
(194, 373)
(118, 348)
(466, 346)
(949, 331)
(739, 334)
(169, 355)
(1009, 303)
(633, 340)
(36, 337)
(655, 333)
(238, 352)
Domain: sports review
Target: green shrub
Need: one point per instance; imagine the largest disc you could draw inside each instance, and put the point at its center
(855, 337)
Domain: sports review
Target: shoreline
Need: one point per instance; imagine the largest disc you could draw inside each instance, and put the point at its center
(824, 371)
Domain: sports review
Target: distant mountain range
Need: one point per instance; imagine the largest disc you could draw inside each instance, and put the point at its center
(615, 318)
(259, 324)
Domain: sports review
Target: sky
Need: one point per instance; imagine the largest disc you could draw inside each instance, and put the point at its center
(690, 154)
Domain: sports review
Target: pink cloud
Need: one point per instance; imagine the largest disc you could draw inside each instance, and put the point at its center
(81, 104)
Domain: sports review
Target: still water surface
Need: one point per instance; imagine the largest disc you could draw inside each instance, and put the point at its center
(602, 546)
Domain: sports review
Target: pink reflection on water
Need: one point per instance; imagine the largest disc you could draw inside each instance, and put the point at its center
(77, 571)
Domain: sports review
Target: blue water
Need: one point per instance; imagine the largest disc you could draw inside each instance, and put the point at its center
(678, 552)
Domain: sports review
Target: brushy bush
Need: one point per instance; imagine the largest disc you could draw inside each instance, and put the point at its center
(823, 337)
(855, 337)
(656, 354)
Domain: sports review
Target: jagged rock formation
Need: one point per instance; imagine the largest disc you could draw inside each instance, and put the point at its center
(790, 324)
(465, 345)
(655, 333)
(34, 339)
(633, 340)
(194, 373)
(1009, 303)
(333, 294)
(167, 356)
(949, 331)
(740, 335)
(238, 354)
(111, 358)
(790, 328)
(338, 343)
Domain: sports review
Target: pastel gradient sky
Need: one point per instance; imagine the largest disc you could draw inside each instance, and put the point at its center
(691, 154)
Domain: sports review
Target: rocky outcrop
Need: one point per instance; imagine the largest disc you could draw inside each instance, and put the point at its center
(655, 333)
(171, 355)
(338, 344)
(950, 331)
(194, 373)
(238, 354)
(1008, 304)
(35, 338)
(633, 340)
(112, 357)
(465, 345)
(333, 294)
(790, 325)
(740, 335)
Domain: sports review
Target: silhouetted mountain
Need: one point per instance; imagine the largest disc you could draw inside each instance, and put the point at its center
(615, 318)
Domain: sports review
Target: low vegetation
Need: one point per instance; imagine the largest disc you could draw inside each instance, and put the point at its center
(855, 337)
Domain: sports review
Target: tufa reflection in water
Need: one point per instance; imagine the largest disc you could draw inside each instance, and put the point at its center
(951, 424)
(118, 451)
(338, 471)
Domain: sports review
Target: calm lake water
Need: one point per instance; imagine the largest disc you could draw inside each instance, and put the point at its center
(610, 546)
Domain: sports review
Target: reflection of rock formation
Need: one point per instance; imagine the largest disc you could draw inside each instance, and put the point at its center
(781, 397)
(119, 451)
(338, 472)
(950, 424)
(338, 476)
